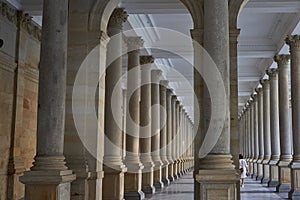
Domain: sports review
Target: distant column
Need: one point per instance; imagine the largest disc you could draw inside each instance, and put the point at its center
(267, 137)
(260, 133)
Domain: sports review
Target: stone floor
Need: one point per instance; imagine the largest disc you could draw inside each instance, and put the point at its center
(255, 190)
(183, 189)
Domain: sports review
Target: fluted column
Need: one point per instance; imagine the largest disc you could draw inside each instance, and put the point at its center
(49, 177)
(163, 131)
(251, 138)
(113, 182)
(284, 175)
(249, 132)
(174, 144)
(179, 141)
(255, 135)
(294, 43)
(274, 124)
(177, 137)
(170, 135)
(260, 131)
(155, 128)
(267, 137)
(133, 178)
(145, 123)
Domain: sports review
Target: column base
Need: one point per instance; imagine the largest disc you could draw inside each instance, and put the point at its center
(134, 195)
(165, 177)
(259, 170)
(148, 190)
(113, 183)
(218, 178)
(284, 184)
(95, 184)
(273, 182)
(266, 172)
(48, 185)
(295, 184)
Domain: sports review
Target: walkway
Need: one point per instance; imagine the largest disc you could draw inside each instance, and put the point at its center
(182, 189)
(255, 190)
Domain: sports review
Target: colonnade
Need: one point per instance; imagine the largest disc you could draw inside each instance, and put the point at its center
(269, 133)
(158, 131)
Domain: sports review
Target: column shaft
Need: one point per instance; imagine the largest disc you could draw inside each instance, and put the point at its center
(267, 136)
(260, 133)
(294, 43)
(49, 175)
(113, 164)
(145, 123)
(284, 124)
(133, 178)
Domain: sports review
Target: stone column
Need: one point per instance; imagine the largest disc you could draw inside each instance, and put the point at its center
(113, 182)
(133, 178)
(284, 184)
(174, 145)
(155, 128)
(163, 131)
(216, 169)
(251, 138)
(145, 123)
(179, 141)
(260, 133)
(234, 132)
(274, 124)
(294, 43)
(49, 178)
(176, 137)
(170, 133)
(255, 132)
(248, 131)
(267, 138)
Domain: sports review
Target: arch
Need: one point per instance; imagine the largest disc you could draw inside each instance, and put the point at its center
(235, 8)
(102, 9)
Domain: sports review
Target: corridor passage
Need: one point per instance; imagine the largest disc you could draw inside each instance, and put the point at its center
(254, 190)
(182, 189)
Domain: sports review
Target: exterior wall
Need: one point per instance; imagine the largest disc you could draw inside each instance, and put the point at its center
(19, 59)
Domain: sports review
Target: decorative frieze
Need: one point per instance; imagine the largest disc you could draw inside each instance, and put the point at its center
(15, 16)
(27, 24)
(9, 13)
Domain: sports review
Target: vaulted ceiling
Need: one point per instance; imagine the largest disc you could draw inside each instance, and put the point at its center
(264, 25)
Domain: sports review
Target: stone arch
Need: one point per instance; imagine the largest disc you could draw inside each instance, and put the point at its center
(101, 11)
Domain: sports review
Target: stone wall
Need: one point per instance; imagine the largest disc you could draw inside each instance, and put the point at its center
(19, 60)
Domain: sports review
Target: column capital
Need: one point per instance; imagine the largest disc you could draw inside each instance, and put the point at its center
(258, 90)
(282, 60)
(164, 83)
(146, 60)
(174, 97)
(169, 92)
(293, 41)
(272, 73)
(264, 82)
(155, 75)
(134, 43)
(253, 96)
(118, 17)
